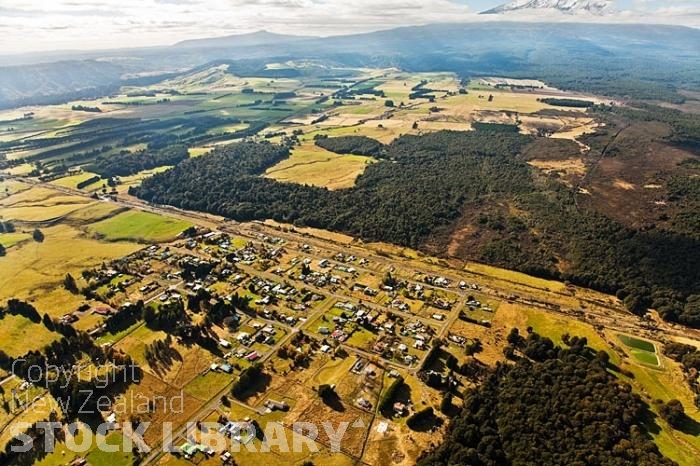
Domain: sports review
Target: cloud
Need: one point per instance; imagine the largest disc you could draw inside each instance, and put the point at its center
(76, 24)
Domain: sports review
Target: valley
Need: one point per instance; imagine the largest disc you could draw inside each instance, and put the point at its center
(350, 228)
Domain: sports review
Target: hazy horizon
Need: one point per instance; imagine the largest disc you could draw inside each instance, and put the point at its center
(32, 26)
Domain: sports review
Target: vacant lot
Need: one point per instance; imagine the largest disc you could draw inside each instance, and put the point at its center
(139, 226)
(313, 165)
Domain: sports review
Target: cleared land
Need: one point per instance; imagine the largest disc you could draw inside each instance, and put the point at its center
(313, 165)
(139, 226)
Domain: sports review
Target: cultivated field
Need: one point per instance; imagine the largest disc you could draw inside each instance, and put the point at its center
(310, 164)
(138, 226)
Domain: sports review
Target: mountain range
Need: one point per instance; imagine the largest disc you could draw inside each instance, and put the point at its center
(496, 48)
(597, 7)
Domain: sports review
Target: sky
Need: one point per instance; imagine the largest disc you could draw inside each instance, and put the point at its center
(42, 25)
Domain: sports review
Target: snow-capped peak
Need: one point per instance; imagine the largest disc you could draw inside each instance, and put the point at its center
(566, 6)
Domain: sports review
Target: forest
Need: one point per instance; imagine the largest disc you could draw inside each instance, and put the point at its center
(575, 103)
(556, 405)
(128, 163)
(358, 145)
(398, 200)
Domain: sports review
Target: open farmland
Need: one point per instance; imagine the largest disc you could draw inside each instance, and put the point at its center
(138, 226)
(299, 308)
(310, 164)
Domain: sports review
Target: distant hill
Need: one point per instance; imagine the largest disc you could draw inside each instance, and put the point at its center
(624, 60)
(59, 80)
(240, 40)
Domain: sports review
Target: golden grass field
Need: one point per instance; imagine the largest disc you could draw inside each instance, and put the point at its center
(73, 180)
(313, 165)
(33, 269)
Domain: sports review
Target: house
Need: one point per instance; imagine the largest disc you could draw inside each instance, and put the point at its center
(226, 368)
(400, 409)
(363, 403)
(188, 450)
(324, 330)
(224, 343)
(103, 310)
(239, 431)
(277, 405)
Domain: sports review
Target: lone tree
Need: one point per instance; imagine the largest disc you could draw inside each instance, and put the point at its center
(446, 403)
(325, 391)
(673, 413)
(2, 250)
(389, 103)
(48, 323)
(70, 284)
(38, 235)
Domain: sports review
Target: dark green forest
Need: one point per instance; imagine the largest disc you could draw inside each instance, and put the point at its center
(554, 406)
(358, 145)
(128, 163)
(422, 186)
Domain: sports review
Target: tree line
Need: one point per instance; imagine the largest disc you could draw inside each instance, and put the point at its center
(562, 408)
(422, 189)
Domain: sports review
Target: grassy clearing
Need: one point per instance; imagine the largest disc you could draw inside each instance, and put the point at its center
(517, 277)
(645, 357)
(97, 457)
(10, 239)
(33, 269)
(19, 335)
(94, 212)
(139, 226)
(313, 165)
(636, 343)
(198, 151)
(135, 179)
(19, 170)
(204, 387)
(553, 326)
(39, 411)
(42, 213)
(73, 180)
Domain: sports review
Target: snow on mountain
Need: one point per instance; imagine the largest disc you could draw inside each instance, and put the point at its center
(597, 7)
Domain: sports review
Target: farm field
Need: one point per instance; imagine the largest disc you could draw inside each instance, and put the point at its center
(138, 226)
(308, 308)
(310, 164)
(10, 239)
(638, 344)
